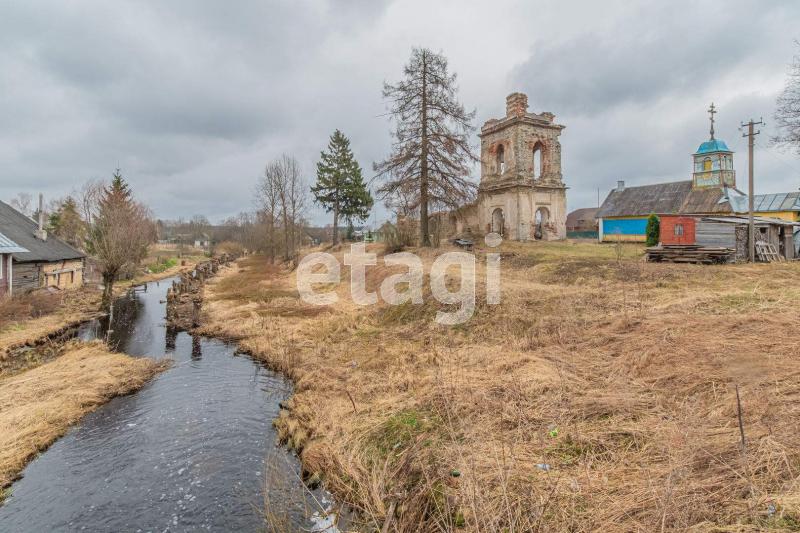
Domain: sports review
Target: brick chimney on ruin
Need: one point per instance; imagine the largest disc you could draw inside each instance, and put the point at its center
(516, 105)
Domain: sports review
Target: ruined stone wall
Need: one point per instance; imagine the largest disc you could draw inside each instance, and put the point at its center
(518, 191)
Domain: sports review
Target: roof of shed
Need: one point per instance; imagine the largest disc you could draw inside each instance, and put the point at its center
(787, 201)
(587, 213)
(20, 229)
(759, 221)
(679, 197)
(661, 198)
(709, 200)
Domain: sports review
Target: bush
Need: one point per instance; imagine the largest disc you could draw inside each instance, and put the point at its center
(231, 248)
(162, 264)
(396, 238)
(27, 305)
(653, 230)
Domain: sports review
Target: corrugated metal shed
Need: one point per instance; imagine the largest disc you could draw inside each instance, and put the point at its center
(777, 202)
(661, 199)
(7, 246)
(20, 229)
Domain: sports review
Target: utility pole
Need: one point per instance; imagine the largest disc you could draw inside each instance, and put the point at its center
(751, 141)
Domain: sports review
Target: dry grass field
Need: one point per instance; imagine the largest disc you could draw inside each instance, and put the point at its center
(600, 395)
(39, 405)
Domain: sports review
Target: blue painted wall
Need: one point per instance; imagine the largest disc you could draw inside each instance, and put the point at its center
(624, 226)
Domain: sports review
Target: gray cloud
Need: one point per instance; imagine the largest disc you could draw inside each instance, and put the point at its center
(192, 98)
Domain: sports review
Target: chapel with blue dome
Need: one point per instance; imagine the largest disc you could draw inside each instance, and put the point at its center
(711, 192)
(713, 162)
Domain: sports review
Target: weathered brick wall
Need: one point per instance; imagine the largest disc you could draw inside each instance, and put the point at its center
(62, 274)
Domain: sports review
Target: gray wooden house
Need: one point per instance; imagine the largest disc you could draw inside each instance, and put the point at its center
(46, 261)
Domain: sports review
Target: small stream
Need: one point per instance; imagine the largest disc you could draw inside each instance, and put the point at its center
(192, 450)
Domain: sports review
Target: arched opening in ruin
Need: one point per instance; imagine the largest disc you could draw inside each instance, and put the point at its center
(498, 220)
(540, 220)
(501, 159)
(537, 161)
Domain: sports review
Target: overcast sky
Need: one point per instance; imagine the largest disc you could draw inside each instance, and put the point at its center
(191, 98)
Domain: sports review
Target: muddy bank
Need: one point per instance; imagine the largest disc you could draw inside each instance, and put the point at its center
(39, 405)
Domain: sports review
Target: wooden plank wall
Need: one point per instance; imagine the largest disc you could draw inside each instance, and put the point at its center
(715, 234)
(26, 277)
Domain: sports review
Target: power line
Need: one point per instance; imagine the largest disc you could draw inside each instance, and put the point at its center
(751, 141)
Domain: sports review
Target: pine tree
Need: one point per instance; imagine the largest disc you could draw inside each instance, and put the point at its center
(652, 231)
(340, 186)
(66, 223)
(432, 157)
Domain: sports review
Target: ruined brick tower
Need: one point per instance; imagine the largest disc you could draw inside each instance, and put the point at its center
(521, 194)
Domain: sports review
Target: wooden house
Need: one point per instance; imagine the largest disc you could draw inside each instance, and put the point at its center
(711, 192)
(46, 261)
(7, 249)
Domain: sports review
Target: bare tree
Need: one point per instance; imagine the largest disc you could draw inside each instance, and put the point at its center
(88, 196)
(267, 197)
(282, 197)
(431, 154)
(120, 233)
(292, 192)
(23, 203)
(787, 113)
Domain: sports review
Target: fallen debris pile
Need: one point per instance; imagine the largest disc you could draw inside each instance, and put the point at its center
(185, 297)
(689, 253)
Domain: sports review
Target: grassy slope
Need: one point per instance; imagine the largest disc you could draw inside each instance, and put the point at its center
(39, 405)
(617, 375)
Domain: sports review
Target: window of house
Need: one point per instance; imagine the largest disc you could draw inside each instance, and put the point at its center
(678, 230)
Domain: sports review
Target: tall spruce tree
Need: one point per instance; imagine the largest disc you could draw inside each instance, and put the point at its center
(340, 186)
(430, 164)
